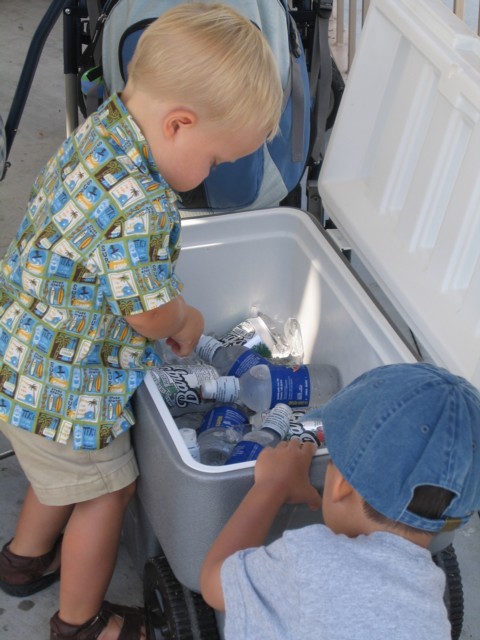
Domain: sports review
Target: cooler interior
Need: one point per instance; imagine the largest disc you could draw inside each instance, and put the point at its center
(280, 262)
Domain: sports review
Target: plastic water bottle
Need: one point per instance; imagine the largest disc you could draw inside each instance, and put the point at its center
(307, 425)
(298, 413)
(190, 439)
(222, 415)
(180, 386)
(217, 443)
(304, 425)
(232, 360)
(274, 429)
(284, 343)
(308, 431)
(263, 386)
(191, 420)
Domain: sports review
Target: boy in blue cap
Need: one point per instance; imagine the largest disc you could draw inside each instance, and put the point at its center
(405, 465)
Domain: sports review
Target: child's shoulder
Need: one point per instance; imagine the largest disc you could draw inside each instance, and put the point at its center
(313, 536)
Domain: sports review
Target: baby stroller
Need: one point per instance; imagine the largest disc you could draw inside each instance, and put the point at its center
(173, 608)
(100, 36)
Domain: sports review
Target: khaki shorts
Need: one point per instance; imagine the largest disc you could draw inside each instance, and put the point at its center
(60, 476)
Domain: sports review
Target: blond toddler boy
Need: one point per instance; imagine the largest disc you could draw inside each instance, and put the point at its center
(89, 283)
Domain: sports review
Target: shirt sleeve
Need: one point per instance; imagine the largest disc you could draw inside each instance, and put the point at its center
(137, 265)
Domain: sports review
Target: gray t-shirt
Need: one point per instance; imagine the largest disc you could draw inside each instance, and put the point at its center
(314, 584)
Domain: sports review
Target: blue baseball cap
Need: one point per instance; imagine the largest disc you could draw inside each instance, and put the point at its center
(401, 426)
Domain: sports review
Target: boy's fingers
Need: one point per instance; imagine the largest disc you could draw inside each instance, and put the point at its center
(309, 447)
(296, 443)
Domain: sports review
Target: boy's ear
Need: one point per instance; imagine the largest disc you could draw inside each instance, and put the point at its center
(341, 488)
(176, 120)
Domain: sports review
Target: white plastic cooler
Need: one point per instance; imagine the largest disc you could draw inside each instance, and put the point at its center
(400, 180)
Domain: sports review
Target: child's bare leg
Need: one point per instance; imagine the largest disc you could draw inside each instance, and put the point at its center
(89, 553)
(38, 526)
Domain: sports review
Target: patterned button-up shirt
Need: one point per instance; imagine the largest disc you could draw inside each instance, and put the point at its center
(98, 242)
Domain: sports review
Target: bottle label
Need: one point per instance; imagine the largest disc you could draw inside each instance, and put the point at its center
(206, 347)
(290, 385)
(249, 333)
(308, 431)
(244, 451)
(180, 386)
(223, 417)
(244, 362)
(278, 420)
(244, 334)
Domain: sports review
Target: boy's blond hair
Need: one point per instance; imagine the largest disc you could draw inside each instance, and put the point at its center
(209, 58)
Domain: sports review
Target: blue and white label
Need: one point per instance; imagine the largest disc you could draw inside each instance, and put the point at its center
(245, 451)
(290, 385)
(223, 417)
(246, 361)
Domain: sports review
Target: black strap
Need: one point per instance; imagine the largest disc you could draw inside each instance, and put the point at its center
(320, 79)
(28, 70)
(92, 54)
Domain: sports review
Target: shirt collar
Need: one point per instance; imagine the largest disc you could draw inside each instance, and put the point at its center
(140, 153)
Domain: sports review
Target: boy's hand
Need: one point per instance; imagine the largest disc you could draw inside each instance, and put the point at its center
(284, 470)
(184, 342)
(176, 321)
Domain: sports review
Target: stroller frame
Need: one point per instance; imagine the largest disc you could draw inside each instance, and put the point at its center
(82, 26)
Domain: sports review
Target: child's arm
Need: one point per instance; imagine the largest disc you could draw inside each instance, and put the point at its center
(175, 320)
(281, 476)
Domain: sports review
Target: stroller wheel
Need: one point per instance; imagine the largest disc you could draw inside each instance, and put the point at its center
(173, 611)
(447, 560)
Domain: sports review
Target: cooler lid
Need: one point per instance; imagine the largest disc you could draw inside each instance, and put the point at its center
(401, 176)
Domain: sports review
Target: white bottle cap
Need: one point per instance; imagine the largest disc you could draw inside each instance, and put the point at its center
(207, 347)
(189, 436)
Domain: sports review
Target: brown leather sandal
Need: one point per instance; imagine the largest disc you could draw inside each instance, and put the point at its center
(22, 576)
(133, 620)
